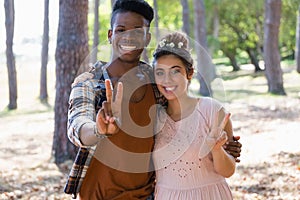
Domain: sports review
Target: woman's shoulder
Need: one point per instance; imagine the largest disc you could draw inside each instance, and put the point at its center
(209, 101)
(209, 106)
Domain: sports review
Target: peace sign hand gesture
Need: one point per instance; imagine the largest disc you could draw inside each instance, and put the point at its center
(215, 138)
(108, 117)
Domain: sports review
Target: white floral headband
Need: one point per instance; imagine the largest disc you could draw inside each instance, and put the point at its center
(171, 44)
(171, 47)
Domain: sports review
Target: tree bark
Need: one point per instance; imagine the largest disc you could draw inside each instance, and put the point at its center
(253, 58)
(112, 2)
(94, 51)
(205, 68)
(44, 57)
(298, 41)
(10, 58)
(235, 66)
(156, 20)
(272, 59)
(185, 17)
(71, 51)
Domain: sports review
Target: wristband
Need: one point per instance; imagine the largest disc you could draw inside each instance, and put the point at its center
(97, 133)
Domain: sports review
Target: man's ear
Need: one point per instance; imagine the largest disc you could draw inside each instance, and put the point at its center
(148, 39)
(109, 35)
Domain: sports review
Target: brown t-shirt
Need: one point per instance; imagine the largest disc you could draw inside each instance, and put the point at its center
(121, 168)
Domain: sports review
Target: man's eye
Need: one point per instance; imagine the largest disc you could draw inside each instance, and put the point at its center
(119, 30)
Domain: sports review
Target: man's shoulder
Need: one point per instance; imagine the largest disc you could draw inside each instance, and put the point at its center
(97, 69)
(145, 66)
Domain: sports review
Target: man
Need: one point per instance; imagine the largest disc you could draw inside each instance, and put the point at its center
(119, 166)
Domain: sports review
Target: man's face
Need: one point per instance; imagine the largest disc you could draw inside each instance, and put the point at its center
(129, 35)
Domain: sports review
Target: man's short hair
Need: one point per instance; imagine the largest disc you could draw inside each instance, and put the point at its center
(138, 6)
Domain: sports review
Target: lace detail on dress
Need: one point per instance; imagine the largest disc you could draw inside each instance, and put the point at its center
(174, 138)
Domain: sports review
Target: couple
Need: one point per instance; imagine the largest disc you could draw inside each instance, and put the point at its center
(112, 119)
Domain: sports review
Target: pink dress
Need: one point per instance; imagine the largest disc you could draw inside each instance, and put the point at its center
(180, 172)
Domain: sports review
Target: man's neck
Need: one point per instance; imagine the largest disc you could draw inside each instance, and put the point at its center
(118, 68)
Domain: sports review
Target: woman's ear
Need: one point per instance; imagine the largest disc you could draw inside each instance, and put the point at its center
(190, 73)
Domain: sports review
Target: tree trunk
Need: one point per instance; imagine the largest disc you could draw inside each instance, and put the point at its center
(145, 55)
(253, 59)
(156, 20)
(94, 51)
(185, 17)
(10, 58)
(205, 68)
(44, 57)
(273, 70)
(71, 51)
(112, 2)
(216, 27)
(298, 41)
(235, 66)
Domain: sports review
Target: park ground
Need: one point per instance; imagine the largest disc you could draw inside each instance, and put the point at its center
(268, 125)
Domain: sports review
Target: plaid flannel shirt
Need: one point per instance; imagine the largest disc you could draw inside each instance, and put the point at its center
(85, 100)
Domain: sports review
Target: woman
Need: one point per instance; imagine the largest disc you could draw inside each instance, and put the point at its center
(189, 159)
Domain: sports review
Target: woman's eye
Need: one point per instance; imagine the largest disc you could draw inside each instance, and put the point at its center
(175, 71)
(159, 73)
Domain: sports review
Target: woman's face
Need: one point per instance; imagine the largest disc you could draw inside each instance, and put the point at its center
(129, 35)
(171, 77)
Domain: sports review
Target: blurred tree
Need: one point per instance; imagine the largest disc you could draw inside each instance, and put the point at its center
(213, 24)
(44, 56)
(205, 69)
(287, 32)
(229, 45)
(94, 50)
(242, 22)
(71, 51)
(298, 41)
(185, 17)
(169, 13)
(10, 58)
(271, 49)
(156, 20)
(112, 2)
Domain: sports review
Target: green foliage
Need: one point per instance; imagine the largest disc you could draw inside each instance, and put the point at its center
(287, 37)
(170, 14)
(104, 20)
(241, 24)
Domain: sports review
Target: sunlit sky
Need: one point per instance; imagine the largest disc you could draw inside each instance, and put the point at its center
(29, 16)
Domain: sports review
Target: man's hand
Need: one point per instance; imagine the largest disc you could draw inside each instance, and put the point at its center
(108, 117)
(234, 148)
(82, 77)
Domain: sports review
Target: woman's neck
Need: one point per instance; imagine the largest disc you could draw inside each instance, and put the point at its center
(181, 108)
